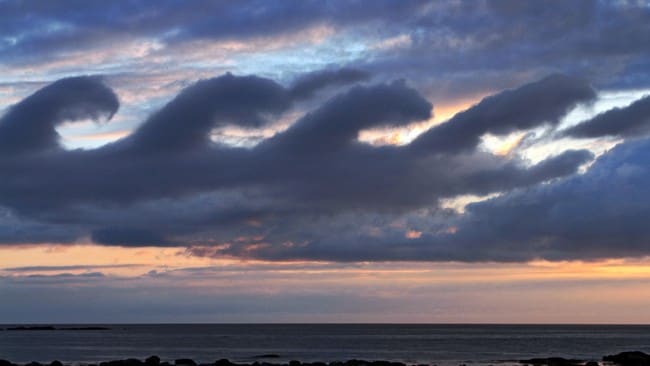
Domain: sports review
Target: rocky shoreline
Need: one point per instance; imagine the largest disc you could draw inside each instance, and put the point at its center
(633, 358)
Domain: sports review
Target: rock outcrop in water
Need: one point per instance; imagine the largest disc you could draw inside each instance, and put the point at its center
(155, 361)
(634, 358)
(552, 361)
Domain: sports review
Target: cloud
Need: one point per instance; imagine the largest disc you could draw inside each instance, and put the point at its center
(532, 105)
(312, 191)
(630, 121)
(187, 120)
(425, 293)
(129, 236)
(30, 124)
(594, 215)
(68, 268)
(306, 85)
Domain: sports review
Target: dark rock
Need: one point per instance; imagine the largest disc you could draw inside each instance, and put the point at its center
(56, 363)
(33, 363)
(185, 361)
(592, 363)
(294, 363)
(111, 363)
(552, 361)
(5, 363)
(132, 362)
(152, 361)
(633, 358)
(165, 364)
(355, 362)
(223, 362)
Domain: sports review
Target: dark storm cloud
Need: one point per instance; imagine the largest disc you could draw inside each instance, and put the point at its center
(168, 184)
(338, 122)
(596, 215)
(130, 236)
(630, 121)
(535, 104)
(306, 85)
(187, 120)
(599, 214)
(30, 125)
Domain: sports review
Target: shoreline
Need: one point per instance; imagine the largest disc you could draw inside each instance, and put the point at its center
(628, 358)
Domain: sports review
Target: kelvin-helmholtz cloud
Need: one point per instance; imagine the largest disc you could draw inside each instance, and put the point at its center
(314, 190)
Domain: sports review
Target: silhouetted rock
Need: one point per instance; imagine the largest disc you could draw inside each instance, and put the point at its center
(633, 358)
(552, 361)
(127, 362)
(223, 362)
(33, 363)
(152, 361)
(185, 362)
(355, 362)
(5, 363)
(592, 363)
(388, 363)
(294, 363)
(132, 362)
(165, 364)
(56, 363)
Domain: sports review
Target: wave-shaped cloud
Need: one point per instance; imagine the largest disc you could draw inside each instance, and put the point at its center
(312, 191)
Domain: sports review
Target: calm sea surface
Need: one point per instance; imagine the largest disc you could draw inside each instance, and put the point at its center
(434, 344)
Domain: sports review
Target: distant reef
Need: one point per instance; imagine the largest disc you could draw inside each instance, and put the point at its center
(633, 358)
(48, 327)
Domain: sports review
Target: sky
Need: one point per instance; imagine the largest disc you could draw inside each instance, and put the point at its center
(325, 161)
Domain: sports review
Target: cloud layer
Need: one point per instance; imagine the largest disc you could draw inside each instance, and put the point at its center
(313, 190)
(305, 185)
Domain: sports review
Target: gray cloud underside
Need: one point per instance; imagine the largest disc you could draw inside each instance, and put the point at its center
(314, 191)
(630, 121)
(600, 214)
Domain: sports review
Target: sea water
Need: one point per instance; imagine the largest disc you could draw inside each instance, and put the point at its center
(431, 344)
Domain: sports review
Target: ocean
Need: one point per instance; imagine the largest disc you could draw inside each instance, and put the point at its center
(430, 344)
